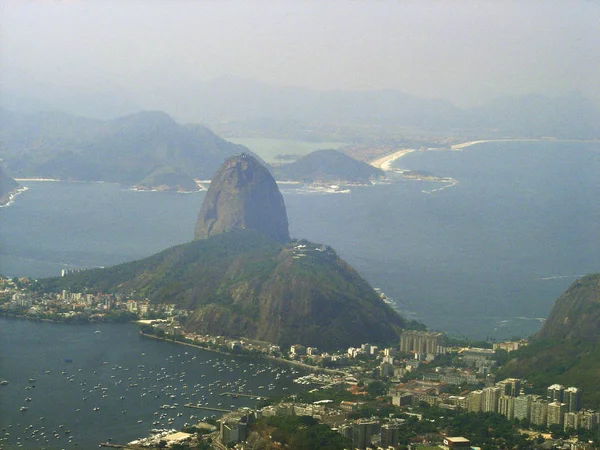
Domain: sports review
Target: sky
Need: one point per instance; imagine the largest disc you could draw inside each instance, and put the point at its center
(465, 51)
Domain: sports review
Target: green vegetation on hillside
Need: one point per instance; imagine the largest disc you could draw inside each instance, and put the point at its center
(241, 283)
(124, 150)
(328, 166)
(299, 433)
(566, 349)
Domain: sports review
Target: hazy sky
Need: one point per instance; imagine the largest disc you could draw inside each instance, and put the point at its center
(465, 51)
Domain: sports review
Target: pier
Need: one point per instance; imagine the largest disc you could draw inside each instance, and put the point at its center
(238, 394)
(209, 408)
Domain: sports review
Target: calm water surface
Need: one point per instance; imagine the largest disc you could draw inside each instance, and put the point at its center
(84, 384)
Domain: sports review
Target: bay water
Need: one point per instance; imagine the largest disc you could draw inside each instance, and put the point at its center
(74, 386)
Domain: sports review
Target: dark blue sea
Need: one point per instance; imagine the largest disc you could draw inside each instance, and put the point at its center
(485, 257)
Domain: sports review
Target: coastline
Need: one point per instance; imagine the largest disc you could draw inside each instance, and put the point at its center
(272, 358)
(385, 162)
(483, 141)
(11, 197)
(36, 179)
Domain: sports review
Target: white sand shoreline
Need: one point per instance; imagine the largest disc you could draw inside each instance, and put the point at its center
(36, 179)
(483, 141)
(384, 163)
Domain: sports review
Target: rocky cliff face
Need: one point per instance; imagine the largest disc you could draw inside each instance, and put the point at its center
(576, 314)
(566, 349)
(243, 195)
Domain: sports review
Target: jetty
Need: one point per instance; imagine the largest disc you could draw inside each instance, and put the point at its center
(208, 408)
(239, 394)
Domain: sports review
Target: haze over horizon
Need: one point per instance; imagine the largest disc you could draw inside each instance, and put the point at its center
(143, 53)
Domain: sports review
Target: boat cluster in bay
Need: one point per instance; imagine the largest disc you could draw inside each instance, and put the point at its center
(150, 397)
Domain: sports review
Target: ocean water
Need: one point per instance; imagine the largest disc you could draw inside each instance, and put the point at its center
(485, 256)
(86, 384)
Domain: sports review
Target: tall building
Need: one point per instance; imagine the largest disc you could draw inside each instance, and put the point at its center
(580, 419)
(522, 407)
(539, 412)
(571, 421)
(390, 434)
(588, 419)
(506, 407)
(412, 341)
(361, 434)
(572, 397)
(511, 386)
(556, 412)
(555, 393)
(475, 401)
(491, 395)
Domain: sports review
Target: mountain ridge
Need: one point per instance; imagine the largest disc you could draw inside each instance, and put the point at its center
(124, 150)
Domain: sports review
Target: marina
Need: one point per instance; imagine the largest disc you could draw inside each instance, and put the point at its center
(126, 391)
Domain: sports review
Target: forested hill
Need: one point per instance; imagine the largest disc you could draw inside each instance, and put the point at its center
(328, 166)
(241, 283)
(125, 150)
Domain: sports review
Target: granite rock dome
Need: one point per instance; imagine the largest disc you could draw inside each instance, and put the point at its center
(243, 195)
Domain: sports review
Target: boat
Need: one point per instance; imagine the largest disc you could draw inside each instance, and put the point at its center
(24, 408)
(3, 382)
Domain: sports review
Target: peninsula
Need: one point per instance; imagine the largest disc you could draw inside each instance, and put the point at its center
(243, 276)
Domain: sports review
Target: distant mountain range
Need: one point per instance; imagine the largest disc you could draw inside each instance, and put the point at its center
(148, 150)
(244, 106)
(128, 150)
(567, 348)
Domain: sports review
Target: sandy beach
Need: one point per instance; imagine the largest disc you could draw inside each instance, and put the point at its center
(468, 144)
(384, 162)
(36, 179)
